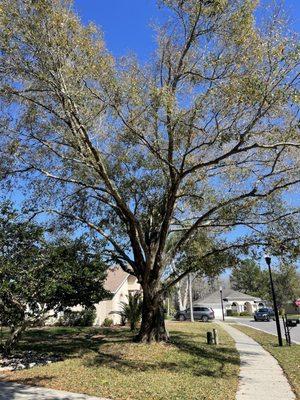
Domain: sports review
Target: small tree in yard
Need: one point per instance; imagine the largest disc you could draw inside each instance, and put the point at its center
(287, 284)
(202, 138)
(38, 279)
(132, 311)
(248, 277)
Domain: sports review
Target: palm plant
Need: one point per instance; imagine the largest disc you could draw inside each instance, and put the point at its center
(132, 311)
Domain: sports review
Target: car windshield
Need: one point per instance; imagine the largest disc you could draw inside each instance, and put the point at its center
(263, 310)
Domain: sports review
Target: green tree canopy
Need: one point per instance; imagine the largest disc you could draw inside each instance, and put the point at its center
(38, 276)
(287, 283)
(249, 278)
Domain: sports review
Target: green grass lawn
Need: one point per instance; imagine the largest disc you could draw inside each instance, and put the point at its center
(287, 357)
(113, 366)
(291, 316)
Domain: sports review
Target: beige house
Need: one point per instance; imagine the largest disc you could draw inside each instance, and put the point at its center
(120, 284)
(232, 300)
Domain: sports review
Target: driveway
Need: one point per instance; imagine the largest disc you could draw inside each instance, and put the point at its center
(269, 327)
(15, 391)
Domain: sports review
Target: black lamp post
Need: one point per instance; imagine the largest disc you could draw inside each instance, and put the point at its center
(221, 294)
(268, 261)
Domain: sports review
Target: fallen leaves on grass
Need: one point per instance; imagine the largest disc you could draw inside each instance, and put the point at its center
(184, 369)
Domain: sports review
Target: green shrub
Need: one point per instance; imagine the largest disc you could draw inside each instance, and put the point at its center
(107, 322)
(86, 317)
(172, 311)
(89, 316)
(232, 313)
(245, 314)
(132, 311)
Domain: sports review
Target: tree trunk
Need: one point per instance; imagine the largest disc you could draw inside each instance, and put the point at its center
(132, 326)
(13, 339)
(153, 320)
(191, 296)
(185, 297)
(168, 306)
(182, 299)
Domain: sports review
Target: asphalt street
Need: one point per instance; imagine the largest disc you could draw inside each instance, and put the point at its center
(269, 327)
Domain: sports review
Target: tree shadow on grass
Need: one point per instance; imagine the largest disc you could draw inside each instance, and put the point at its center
(195, 358)
(30, 381)
(194, 355)
(219, 356)
(68, 342)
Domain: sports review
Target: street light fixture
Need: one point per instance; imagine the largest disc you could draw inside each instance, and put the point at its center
(221, 294)
(268, 262)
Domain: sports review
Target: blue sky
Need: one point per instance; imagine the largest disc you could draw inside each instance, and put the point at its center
(127, 23)
(127, 27)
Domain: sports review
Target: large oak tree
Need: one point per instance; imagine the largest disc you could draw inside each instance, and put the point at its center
(202, 138)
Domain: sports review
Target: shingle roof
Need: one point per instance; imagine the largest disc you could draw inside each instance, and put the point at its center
(115, 277)
(228, 294)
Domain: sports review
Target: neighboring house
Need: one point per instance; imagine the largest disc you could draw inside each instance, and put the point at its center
(120, 284)
(232, 300)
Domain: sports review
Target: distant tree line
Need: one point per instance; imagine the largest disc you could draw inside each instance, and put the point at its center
(248, 277)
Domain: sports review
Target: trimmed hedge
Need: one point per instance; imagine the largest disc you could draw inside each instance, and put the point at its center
(107, 322)
(245, 314)
(231, 313)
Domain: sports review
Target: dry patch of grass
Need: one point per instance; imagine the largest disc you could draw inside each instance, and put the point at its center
(115, 367)
(287, 357)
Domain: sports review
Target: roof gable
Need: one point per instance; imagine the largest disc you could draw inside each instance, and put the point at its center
(236, 295)
(227, 294)
(115, 279)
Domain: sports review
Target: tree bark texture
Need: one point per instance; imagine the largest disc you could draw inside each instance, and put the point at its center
(13, 339)
(153, 321)
(191, 296)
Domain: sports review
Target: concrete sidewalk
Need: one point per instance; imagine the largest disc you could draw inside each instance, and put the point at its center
(260, 377)
(15, 391)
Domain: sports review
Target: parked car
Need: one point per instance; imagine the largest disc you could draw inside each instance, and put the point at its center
(200, 313)
(264, 314)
